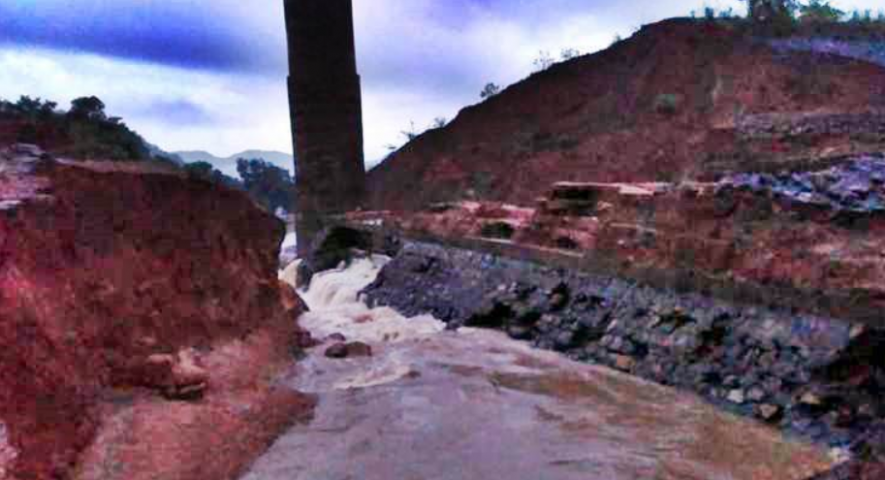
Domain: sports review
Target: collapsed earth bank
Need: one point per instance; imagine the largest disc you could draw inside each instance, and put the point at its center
(142, 323)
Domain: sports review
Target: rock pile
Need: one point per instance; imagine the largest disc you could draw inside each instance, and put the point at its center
(348, 350)
(763, 126)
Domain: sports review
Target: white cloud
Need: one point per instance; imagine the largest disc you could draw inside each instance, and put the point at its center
(242, 111)
(419, 59)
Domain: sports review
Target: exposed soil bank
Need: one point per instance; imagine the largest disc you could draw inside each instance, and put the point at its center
(680, 99)
(140, 317)
(820, 378)
(145, 437)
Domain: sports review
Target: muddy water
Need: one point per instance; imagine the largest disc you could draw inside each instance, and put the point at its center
(474, 404)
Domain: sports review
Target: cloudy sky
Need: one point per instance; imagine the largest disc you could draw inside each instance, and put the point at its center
(210, 74)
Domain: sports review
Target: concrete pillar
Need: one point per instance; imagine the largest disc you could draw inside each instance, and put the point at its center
(326, 112)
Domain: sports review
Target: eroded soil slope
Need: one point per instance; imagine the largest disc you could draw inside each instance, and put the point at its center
(138, 299)
(680, 99)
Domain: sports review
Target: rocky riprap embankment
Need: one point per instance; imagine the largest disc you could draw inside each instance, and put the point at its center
(142, 323)
(792, 126)
(856, 186)
(869, 50)
(818, 377)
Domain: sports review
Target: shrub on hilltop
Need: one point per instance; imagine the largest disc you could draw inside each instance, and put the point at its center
(85, 131)
(270, 185)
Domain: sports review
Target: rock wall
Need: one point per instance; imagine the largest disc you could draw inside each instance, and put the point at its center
(779, 125)
(872, 51)
(815, 376)
(123, 290)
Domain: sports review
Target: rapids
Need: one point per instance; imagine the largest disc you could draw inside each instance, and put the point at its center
(474, 404)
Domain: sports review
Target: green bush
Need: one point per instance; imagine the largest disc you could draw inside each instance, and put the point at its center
(709, 13)
(87, 130)
(207, 172)
(772, 11)
(866, 18)
(820, 11)
(270, 185)
(490, 90)
(667, 103)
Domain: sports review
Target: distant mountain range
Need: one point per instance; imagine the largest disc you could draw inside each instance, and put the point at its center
(228, 165)
(159, 152)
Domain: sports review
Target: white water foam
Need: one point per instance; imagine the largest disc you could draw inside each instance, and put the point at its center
(290, 240)
(335, 307)
(290, 273)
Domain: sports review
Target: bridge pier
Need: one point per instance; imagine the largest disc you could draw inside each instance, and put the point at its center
(326, 113)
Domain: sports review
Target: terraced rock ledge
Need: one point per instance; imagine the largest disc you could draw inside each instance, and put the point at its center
(759, 292)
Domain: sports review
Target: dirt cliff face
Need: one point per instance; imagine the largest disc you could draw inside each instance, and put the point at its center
(679, 100)
(120, 291)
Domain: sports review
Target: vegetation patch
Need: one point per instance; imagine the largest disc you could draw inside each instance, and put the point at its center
(269, 185)
(794, 17)
(85, 131)
(666, 103)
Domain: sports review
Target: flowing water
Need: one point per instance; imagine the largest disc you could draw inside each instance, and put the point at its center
(474, 404)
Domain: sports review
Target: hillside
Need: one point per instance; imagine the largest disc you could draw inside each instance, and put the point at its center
(84, 132)
(681, 99)
(228, 165)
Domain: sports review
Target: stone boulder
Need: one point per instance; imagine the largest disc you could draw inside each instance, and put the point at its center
(123, 286)
(338, 245)
(348, 350)
(179, 376)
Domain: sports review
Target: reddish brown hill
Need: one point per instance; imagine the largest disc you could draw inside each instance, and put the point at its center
(680, 99)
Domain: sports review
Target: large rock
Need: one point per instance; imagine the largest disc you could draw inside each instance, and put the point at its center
(336, 245)
(122, 289)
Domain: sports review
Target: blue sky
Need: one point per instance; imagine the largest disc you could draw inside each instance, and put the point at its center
(210, 74)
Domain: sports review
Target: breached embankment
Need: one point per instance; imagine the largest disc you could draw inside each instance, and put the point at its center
(473, 403)
(142, 325)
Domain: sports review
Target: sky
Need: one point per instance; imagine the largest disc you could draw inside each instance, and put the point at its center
(211, 74)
